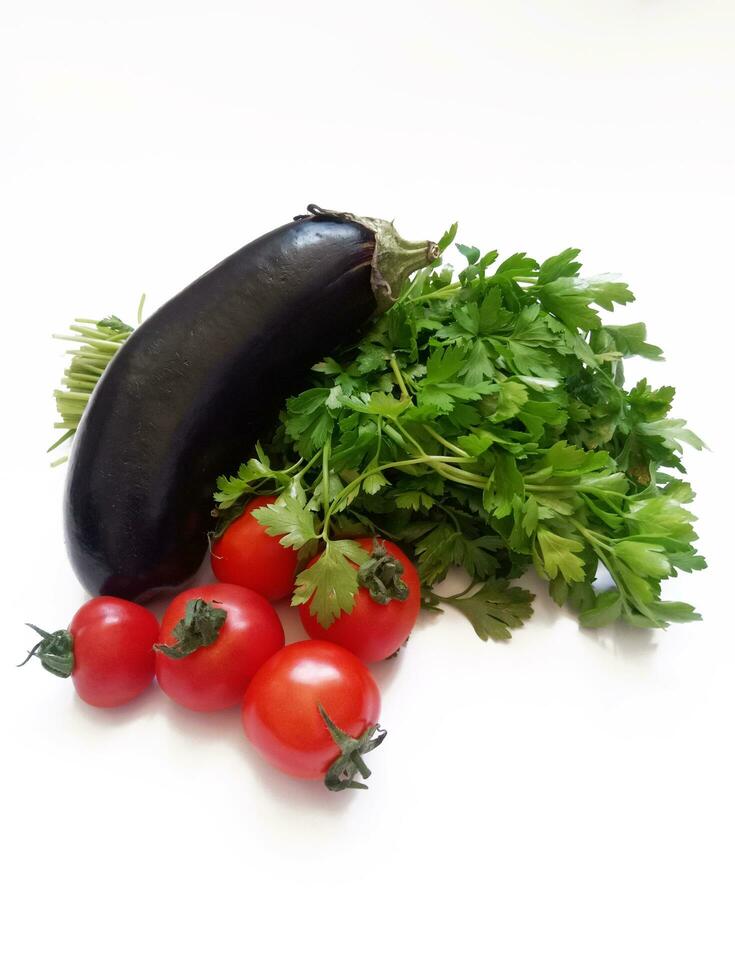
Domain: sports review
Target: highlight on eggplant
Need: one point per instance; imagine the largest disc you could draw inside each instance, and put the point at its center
(191, 390)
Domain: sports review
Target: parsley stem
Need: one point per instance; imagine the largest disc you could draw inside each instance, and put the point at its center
(445, 442)
(101, 345)
(399, 378)
(450, 515)
(325, 486)
(305, 469)
(436, 294)
(395, 435)
(458, 475)
(450, 472)
(414, 442)
(595, 539)
(574, 487)
(424, 458)
(600, 546)
(436, 462)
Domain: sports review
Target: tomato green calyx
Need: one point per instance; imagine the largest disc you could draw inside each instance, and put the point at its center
(54, 650)
(341, 773)
(381, 576)
(199, 627)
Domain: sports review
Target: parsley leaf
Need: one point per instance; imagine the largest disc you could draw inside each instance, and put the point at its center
(287, 517)
(560, 555)
(308, 421)
(331, 582)
(493, 610)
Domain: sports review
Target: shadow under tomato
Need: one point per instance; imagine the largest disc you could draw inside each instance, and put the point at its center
(225, 727)
(213, 725)
(291, 621)
(385, 671)
(309, 792)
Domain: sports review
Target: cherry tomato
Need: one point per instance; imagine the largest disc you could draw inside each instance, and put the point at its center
(281, 711)
(212, 665)
(374, 630)
(247, 555)
(107, 650)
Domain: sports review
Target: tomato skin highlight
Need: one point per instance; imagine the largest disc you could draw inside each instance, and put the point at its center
(216, 676)
(114, 660)
(372, 631)
(280, 712)
(247, 555)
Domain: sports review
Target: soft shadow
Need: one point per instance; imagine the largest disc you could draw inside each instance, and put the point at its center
(291, 621)
(385, 671)
(619, 639)
(626, 641)
(213, 725)
(226, 728)
(309, 792)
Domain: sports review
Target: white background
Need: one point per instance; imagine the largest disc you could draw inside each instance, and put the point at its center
(559, 806)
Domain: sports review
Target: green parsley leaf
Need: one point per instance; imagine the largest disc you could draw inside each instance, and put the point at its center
(308, 421)
(330, 584)
(288, 517)
(560, 266)
(607, 608)
(472, 254)
(644, 558)
(503, 486)
(630, 340)
(493, 610)
(571, 299)
(560, 555)
(671, 432)
(247, 481)
(447, 238)
(518, 264)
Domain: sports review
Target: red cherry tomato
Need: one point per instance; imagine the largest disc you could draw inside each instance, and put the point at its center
(373, 631)
(281, 713)
(113, 650)
(247, 555)
(107, 651)
(215, 675)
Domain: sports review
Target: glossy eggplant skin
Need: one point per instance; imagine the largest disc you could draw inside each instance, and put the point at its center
(191, 391)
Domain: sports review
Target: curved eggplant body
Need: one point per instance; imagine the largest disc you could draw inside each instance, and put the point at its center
(191, 391)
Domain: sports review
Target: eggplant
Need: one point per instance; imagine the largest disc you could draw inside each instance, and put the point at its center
(194, 387)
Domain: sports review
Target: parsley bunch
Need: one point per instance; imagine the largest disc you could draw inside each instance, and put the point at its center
(484, 422)
(96, 343)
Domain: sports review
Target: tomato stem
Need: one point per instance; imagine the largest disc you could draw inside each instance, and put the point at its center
(199, 627)
(381, 576)
(340, 774)
(54, 650)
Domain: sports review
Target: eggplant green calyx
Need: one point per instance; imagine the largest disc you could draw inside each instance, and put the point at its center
(199, 627)
(54, 650)
(394, 258)
(341, 774)
(381, 576)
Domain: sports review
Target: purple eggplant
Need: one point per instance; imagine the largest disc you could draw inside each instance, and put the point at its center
(203, 378)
